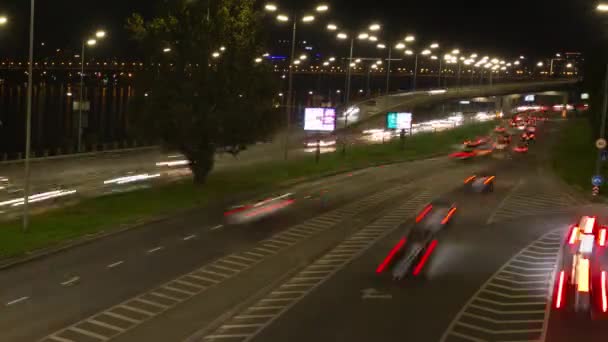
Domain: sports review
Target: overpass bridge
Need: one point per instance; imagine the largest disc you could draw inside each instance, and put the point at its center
(359, 112)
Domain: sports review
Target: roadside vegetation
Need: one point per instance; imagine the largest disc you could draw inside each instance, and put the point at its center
(574, 154)
(113, 212)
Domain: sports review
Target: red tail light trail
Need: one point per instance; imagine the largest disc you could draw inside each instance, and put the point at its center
(602, 239)
(425, 257)
(423, 213)
(604, 299)
(560, 290)
(390, 256)
(447, 218)
(573, 235)
(466, 181)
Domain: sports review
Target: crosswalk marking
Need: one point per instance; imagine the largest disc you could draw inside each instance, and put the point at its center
(525, 199)
(509, 297)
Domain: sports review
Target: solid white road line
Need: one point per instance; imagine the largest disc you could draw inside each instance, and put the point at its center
(112, 265)
(18, 300)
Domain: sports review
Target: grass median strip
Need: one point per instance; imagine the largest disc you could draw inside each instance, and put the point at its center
(574, 154)
(112, 212)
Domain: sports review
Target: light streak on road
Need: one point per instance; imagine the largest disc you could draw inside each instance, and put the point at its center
(38, 197)
(132, 179)
(174, 163)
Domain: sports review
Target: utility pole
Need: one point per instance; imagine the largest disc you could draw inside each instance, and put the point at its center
(290, 86)
(28, 123)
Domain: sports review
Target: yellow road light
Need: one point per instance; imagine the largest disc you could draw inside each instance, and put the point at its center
(363, 35)
(3, 20)
(308, 18)
(271, 7)
(400, 46)
(322, 8)
(91, 42)
(374, 27)
(434, 46)
(100, 34)
(332, 27)
(282, 17)
(342, 36)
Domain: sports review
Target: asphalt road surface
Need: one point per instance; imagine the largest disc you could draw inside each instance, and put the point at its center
(308, 271)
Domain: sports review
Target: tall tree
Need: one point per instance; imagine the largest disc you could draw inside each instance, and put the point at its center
(207, 93)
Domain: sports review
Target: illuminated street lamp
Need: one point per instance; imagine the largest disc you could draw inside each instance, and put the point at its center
(410, 38)
(166, 50)
(308, 18)
(602, 7)
(100, 34)
(374, 27)
(3, 20)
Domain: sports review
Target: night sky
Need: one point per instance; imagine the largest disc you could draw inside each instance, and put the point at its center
(535, 27)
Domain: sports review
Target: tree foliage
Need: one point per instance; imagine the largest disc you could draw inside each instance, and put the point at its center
(197, 103)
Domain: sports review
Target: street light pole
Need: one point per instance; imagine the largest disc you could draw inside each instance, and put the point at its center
(440, 67)
(603, 122)
(290, 85)
(459, 72)
(81, 98)
(415, 72)
(28, 124)
(388, 69)
(349, 72)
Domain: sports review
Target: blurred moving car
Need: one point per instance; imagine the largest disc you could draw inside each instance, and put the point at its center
(476, 142)
(252, 212)
(500, 129)
(582, 279)
(503, 142)
(413, 250)
(480, 183)
(521, 147)
(469, 152)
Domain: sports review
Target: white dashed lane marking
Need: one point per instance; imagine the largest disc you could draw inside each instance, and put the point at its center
(154, 250)
(115, 264)
(139, 309)
(511, 305)
(70, 281)
(18, 300)
(217, 227)
(189, 237)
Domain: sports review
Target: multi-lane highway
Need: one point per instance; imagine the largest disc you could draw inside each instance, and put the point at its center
(308, 271)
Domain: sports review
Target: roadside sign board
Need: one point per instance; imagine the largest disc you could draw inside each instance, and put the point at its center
(604, 155)
(320, 119)
(399, 121)
(597, 180)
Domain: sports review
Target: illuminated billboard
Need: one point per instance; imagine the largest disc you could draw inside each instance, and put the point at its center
(320, 119)
(399, 120)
